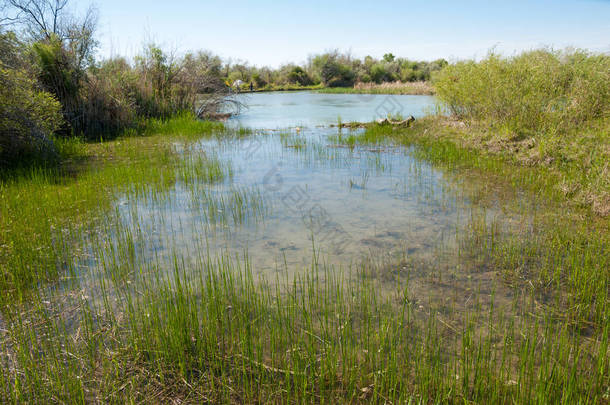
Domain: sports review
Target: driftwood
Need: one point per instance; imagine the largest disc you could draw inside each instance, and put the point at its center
(351, 125)
(218, 101)
(397, 123)
(407, 122)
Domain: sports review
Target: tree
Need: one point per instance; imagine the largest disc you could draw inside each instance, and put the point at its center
(63, 46)
(388, 57)
(43, 20)
(298, 75)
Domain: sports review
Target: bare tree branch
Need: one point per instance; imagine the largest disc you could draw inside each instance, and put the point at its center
(42, 19)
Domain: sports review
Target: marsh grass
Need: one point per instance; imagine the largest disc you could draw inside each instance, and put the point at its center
(397, 88)
(184, 124)
(214, 332)
(536, 93)
(502, 318)
(204, 169)
(557, 251)
(44, 211)
(293, 140)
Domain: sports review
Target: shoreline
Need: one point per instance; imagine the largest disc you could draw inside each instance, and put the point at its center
(406, 89)
(555, 166)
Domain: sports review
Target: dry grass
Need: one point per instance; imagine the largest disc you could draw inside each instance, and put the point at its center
(397, 87)
(409, 88)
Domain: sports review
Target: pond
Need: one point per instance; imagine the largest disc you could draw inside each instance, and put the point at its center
(291, 193)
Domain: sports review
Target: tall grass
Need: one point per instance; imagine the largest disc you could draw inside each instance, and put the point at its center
(214, 332)
(184, 123)
(541, 91)
(38, 245)
(407, 88)
(541, 108)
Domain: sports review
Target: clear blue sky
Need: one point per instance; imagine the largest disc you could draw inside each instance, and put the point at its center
(274, 32)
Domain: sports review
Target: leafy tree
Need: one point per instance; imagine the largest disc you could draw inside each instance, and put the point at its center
(388, 57)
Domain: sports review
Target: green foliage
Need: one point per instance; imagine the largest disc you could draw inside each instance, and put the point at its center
(540, 91)
(299, 75)
(108, 100)
(28, 116)
(258, 80)
(160, 91)
(380, 74)
(181, 124)
(60, 75)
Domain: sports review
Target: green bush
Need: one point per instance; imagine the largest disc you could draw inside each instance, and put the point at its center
(298, 75)
(537, 91)
(28, 118)
(107, 106)
(60, 75)
(380, 74)
(28, 115)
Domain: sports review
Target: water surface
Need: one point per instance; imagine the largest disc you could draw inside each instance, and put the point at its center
(310, 109)
(297, 195)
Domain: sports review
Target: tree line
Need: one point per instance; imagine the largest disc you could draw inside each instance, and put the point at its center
(336, 69)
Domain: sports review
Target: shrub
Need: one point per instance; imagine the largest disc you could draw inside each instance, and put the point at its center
(60, 75)
(537, 91)
(259, 81)
(298, 75)
(380, 74)
(107, 106)
(28, 118)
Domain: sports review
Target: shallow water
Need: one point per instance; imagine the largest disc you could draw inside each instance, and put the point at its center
(295, 196)
(343, 204)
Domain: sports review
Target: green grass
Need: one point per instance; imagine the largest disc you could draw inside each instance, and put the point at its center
(213, 332)
(183, 124)
(563, 251)
(504, 317)
(42, 211)
(538, 93)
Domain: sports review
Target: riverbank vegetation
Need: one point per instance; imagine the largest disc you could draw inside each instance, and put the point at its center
(53, 87)
(408, 88)
(543, 108)
(500, 318)
(335, 70)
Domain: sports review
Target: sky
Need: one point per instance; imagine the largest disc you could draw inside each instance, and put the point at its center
(272, 33)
